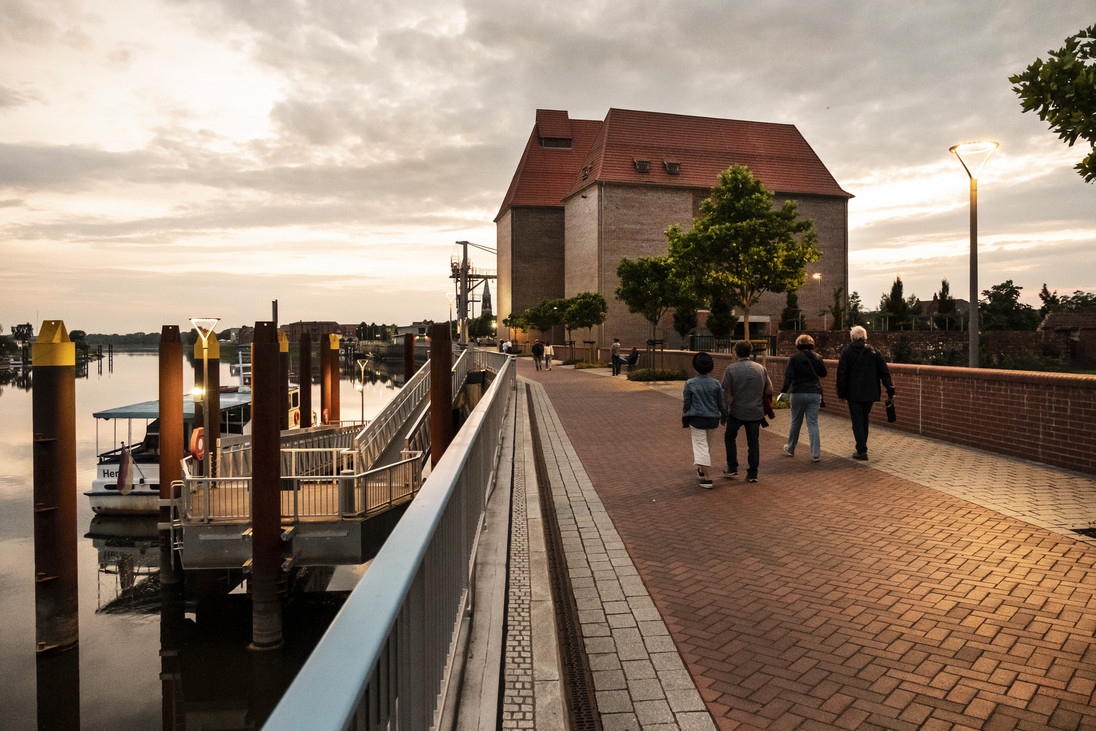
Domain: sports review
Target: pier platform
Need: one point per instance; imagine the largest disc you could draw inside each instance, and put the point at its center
(931, 587)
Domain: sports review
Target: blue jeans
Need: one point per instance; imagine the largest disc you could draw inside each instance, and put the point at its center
(805, 405)
(858, 413)
(753, 448)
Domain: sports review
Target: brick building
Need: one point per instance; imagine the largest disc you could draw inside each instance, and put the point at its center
(588, 193)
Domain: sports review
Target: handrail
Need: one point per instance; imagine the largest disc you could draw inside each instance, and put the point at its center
(386, 660)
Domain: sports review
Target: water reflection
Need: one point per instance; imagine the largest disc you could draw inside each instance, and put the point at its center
(149, 656)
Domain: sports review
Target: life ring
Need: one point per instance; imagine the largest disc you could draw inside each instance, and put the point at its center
(325, 416)
(197, 444)
(297, 418)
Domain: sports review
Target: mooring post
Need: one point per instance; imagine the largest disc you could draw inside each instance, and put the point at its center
(408, 357)
(325, 379)
(334, 360)
(305, 380)
(56, 597)
(266, 561)
(283, 378)
(171, 442)
(441, 391)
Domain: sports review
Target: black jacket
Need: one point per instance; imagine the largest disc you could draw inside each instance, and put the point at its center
(859, 371)
(803, 371)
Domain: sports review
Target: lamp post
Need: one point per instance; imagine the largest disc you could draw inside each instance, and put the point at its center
(972, 156)
(204, 326)
(817, 276)
(361, 386)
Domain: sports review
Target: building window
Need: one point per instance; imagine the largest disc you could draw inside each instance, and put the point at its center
(673, 167)
(562, 142)
(642, 166)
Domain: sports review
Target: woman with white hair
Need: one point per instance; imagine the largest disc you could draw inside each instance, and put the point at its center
(802, 381)
(859, 371)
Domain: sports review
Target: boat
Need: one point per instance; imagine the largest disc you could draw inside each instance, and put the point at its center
(134, 441)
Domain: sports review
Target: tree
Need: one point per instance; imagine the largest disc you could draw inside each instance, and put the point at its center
(546, 314)
(1062, 91)
(855, 310)
(1051, 301)
(1079, 301)
(947, 312)
(480, 327)
(897, 310)
(791, 317)
(838, 309)
(742, 246)
(23, 334)
(1002, 309)
(650, 287)
(585, 310)
(685, 319)
(361, 330)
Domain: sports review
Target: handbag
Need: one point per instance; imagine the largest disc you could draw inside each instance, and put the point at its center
(891, 416)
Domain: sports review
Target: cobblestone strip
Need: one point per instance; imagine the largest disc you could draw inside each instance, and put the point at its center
(518, 705)
(640, 680)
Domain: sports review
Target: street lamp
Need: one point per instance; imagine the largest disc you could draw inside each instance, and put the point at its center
(361, 386)
(205, 326)
(973, 155)
(817, 276)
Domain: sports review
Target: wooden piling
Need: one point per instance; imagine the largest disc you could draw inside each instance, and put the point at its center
(266, 609)
(441, 391)
(335, 361)
(171, 441)
(408, 357)
(56, 595)
(305, 380)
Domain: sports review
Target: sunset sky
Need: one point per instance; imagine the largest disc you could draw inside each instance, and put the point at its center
(162, 159)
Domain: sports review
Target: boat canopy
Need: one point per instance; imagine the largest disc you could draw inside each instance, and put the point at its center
(151, 409)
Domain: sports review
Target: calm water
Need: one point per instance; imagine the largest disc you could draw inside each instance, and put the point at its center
(220, 684)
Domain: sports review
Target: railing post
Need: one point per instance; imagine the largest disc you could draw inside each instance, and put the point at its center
(346, 493)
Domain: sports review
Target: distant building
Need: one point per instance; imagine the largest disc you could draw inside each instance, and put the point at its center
(485, 309)
(587, 193)
(415, 328)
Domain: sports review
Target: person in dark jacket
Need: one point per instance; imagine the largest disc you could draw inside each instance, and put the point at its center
(859, 372)
(801, 382)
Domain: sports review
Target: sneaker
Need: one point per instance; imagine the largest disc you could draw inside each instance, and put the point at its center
(730, 473)
(706, 484)
(816, 459)
(751, 479)
(788, 452)
(862, 456)
(699, 473)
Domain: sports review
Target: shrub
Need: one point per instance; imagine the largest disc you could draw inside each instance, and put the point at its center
(579, 364)
(657, 374)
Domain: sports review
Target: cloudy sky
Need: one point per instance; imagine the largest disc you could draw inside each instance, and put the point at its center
(167, 158)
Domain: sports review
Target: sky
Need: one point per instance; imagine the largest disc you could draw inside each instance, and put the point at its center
(163, 159)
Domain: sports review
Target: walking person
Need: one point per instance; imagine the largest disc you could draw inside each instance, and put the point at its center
(745, 385)
(702, 411)
(538, 353)
(860, 370)
(549, 353)
(614, 356)
(802, 382)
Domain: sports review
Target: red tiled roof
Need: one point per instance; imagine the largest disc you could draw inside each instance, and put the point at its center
(544, 174)
(704, 147)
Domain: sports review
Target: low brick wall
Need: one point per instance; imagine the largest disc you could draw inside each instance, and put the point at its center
(1044, 417)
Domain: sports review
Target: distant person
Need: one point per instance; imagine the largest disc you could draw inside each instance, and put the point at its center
(802, 382)
(506, 346)
(745, 385)
(632, 358)
(702, 411)
(538, 353)
(614, 355)
(549, 353)
(860, 370)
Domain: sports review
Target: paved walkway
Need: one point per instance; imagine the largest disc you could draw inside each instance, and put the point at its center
(932, 587)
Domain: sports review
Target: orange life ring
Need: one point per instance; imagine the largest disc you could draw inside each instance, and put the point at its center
(197, 443)
(325, 416)
(297, 418)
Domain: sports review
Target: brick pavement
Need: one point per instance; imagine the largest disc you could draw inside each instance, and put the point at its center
(839, 594)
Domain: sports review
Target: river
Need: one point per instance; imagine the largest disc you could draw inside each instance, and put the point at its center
(113, 679)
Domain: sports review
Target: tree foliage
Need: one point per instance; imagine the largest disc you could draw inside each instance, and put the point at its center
(1062, 91)
(585, 310)
(791, 317)
(23, 333)
(1002, 310)
(838, 309)
(898, 310)
(650, 287)
(742, 246)
(947, 311)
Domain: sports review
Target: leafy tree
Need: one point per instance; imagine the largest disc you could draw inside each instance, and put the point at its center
(947, 311)
(1051, 301)
(1002, 310)
(791, 317)
(838, 310)
(546, 314)
(720, 320)
(685, 319)
(23, 333)
(897, 310)
(1080, 301)
(480, 327)
(650, 287)
(742, 246)
(1062, 91)
(855, 310)
(586, 310)
(361, 330)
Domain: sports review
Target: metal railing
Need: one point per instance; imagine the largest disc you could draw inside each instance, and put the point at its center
(388, 658)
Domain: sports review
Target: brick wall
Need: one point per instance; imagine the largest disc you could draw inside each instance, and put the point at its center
(1043, 417)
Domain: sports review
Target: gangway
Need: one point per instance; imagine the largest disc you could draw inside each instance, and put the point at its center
(340, 485)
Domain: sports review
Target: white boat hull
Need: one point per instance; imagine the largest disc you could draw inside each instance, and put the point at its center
(143, 498)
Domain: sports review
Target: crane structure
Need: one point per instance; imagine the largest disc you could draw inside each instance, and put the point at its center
(466, 280)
